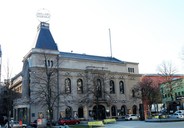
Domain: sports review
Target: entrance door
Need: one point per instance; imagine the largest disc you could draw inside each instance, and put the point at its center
(22, 115)
(68, 112)
(134, 109)
(80, 112)
(99, 114)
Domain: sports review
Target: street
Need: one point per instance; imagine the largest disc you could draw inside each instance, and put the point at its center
(142, 124)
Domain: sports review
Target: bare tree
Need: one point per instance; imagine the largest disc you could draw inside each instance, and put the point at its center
(8, 94)
(167, 70)
(45, 86)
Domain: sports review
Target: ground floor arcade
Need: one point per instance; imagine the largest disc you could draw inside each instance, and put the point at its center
(29, 113)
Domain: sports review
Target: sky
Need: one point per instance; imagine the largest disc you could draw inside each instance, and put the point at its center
(147, 32)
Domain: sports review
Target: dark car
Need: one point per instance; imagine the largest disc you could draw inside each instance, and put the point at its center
(68, 121)
(34, 123)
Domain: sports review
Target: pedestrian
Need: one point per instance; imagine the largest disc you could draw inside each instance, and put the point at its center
(76, 115)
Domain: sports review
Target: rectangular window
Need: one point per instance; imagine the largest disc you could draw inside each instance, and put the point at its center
(182, 93)
(131, 70)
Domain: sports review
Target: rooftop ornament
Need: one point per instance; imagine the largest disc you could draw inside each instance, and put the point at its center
(43, 15)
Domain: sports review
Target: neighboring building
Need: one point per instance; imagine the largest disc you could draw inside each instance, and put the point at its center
(157, 80)
(16, 84)
(75, 74)
(173, 94)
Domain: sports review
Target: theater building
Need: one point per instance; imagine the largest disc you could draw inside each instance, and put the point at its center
(77, 80)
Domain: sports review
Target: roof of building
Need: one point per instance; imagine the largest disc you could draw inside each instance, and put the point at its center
(44, 38)
(89, 57)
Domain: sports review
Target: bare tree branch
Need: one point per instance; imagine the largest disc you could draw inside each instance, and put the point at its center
(167, 70)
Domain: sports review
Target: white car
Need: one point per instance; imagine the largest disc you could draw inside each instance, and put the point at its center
(177, 115)
(180, 111)
(131, 117)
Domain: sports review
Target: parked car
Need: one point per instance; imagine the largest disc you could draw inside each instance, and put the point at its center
(131, 117)
(177, 115)
(68, 121)
(15, 124)
(180, 111)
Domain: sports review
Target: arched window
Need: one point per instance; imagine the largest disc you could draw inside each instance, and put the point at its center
(79, 86)
(112, 87)
(123, 110)
(113, 110)
(121, 87)
(99, 88)
(51, 63)
(67, 85)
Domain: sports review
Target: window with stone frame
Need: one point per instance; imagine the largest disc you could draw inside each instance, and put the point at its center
(133, 93)
(130, 70)
(112, 87)
(67, 85)
(99, 88)
(121, 87)
(79, 86)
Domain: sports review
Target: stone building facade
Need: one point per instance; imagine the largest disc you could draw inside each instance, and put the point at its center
(88, 86)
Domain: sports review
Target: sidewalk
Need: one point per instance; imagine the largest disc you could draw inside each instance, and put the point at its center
(165, 120)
